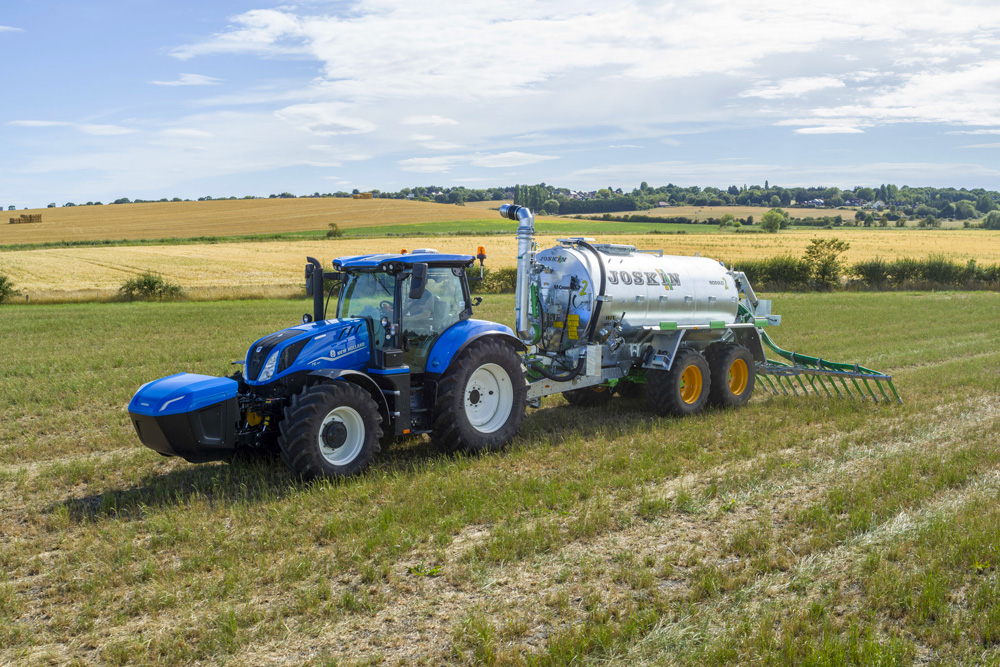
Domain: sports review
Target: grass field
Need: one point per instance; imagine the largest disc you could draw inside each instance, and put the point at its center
(794, 531)
(275, 267)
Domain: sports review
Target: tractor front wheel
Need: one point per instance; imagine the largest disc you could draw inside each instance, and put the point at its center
(330, 430)
(480, 399)
(683, 390)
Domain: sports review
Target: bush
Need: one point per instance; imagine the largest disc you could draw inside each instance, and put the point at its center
(872, 272)
(148, 286)
(6, 288)
(499, 281)
(335, 231)
(776, 273)
(823, 258)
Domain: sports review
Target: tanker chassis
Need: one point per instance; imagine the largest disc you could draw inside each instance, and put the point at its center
(404, 356)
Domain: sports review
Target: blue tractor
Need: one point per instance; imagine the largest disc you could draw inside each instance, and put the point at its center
(403, 356)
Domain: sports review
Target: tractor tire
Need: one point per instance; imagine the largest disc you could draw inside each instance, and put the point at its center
(480, 399)
(733, 375)
(681, 391)
(628, 390)
(330, 430)
(589, 396)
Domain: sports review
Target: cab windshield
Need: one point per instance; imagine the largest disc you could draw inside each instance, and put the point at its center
(369, 294)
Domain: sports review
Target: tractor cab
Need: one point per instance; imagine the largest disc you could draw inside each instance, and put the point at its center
(411, 299)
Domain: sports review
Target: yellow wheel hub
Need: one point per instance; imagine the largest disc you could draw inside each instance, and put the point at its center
(691, 384)
(739, 375)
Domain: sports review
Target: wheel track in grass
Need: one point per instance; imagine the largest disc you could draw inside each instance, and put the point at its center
(425, 611)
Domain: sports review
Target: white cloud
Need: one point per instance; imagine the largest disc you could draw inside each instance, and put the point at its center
(186, 133)
(829, 129)
(428, 120)
(324, 119)
(7, 28)
(444, 163)
(189, 80)
(86, 128)
(794, 87)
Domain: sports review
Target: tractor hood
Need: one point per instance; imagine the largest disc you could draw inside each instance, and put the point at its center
(338, 344)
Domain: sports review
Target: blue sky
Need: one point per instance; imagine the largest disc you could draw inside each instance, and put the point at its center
(148, 99)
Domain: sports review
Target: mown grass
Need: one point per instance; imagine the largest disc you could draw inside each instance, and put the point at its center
(790, 532)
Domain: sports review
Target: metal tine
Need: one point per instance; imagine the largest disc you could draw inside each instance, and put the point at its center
(868, 387)
(846, 388)
(804, 390)
(822, 384)
(878, 383)
(860, 390)
(792, 385)
(768, 381)
(833, 382)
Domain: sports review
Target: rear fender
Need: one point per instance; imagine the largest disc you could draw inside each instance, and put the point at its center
(459, 336)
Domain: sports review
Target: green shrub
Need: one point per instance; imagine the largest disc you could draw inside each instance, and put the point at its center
(6, 288)
(872, 272)
(938, 269)
(777, 273)
(823, 258)
(148, 286)
(495, 281)
(335, 231)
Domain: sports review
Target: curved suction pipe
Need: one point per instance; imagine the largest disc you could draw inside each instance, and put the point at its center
(525, 259)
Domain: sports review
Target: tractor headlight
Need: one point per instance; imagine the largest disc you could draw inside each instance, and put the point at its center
(268, 371)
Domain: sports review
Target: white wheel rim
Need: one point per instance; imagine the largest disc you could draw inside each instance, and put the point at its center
(489, 398)
(345, 422)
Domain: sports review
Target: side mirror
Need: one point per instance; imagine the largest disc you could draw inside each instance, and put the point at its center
(418, 281)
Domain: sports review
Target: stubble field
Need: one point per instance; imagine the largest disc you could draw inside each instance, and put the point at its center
(794, 531)
(275, 267)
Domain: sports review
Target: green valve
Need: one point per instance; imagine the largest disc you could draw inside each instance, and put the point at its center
(760, 321)
(716, 324)
(668, 326)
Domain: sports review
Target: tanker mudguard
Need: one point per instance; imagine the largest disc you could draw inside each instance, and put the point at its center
(460, 335)
(187, 415)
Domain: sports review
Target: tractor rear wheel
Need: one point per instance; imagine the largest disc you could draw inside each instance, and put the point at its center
(733, 375)
(589, 396)
(330, 430)
(480, 399)
(683, 390)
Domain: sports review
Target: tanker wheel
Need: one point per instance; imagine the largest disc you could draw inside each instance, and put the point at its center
(589, 396)
(330, 430)
(683, 390)
(480, 399)
(628, 390)
(733, 375)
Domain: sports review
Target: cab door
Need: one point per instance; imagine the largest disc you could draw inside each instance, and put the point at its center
(443, 303)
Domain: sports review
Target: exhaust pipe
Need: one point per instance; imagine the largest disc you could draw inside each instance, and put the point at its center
(525, 259)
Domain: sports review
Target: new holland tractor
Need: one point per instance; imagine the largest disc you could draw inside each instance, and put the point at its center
(404, 355)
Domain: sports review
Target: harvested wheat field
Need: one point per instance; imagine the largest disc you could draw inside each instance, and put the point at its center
(97, 271)
(224, 218)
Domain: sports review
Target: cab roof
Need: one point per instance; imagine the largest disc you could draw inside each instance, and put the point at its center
(381, 260)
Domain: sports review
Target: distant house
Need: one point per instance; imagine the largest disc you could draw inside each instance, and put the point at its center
(816, 203)
(876, 205)
(662, 204)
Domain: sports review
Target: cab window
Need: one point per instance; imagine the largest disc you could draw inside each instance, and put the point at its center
(422, 320)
